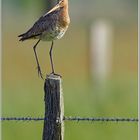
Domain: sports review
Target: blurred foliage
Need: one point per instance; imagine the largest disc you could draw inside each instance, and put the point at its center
(22, 90)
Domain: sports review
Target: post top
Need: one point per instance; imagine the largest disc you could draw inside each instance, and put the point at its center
(53, 76)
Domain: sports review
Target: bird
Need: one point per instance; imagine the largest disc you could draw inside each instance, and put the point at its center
(49, 27)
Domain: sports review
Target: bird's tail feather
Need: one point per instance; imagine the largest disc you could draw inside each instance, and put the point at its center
(25, 36)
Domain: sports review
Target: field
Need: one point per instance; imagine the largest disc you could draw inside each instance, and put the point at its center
(22, 89)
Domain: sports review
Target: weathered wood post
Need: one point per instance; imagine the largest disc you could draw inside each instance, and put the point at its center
(54, 109)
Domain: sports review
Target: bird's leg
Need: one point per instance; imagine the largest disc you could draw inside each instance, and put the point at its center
(51, 57)
(38, 66)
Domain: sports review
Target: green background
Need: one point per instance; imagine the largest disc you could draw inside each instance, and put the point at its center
(22, 90)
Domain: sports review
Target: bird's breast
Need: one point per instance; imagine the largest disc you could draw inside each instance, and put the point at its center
(64, 22)
(54, 33)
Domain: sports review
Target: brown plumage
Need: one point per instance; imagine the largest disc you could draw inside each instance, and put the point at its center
(49, 27)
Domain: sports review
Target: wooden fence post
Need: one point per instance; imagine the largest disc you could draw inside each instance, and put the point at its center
(54, 109)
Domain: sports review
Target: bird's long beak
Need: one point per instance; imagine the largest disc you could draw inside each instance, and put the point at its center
(54, 8)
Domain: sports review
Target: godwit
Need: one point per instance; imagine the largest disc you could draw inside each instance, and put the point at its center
(49, 27)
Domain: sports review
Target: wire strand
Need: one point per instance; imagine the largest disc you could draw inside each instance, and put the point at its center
(92, 119)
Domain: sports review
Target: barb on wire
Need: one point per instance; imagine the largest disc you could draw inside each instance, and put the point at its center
(92, 119)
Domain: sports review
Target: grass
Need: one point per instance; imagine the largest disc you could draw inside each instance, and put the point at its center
(23, 90)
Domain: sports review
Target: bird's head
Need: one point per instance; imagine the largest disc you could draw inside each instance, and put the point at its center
(63, 3)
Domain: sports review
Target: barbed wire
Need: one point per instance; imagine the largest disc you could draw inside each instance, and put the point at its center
(101, 119)
(92, 119)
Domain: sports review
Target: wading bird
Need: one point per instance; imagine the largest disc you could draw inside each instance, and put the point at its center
(49, 27)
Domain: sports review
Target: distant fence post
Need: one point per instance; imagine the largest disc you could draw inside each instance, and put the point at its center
(101, 42)
(54, 109)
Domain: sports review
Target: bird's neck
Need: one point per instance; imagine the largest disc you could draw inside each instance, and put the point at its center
(65, 2)
(65, 8)
(64, 20)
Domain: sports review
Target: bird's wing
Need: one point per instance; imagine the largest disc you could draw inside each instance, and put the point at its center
(42, 24)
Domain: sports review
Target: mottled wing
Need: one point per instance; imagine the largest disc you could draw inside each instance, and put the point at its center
(42, 25)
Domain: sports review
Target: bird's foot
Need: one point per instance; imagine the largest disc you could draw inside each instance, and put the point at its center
(53, 73)
(39, 72)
